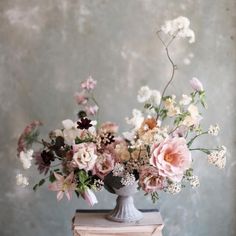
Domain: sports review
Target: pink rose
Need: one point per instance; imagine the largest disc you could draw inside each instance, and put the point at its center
(150, 180)
(89, 84)
(196, 84)
(171, 157)
(84, 155)
(80, 98)
(104, 165)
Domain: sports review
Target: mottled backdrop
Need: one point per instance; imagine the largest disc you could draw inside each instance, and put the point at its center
(47, 47)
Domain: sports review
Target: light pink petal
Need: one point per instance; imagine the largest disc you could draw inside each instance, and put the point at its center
(58, 176)
(60, 195)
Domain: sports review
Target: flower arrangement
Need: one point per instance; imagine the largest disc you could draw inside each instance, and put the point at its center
(156, 152)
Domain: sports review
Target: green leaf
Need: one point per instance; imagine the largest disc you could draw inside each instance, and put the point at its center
(41, 182)
(35, 187)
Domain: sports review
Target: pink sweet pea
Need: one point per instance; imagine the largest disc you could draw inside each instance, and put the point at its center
(89, 84)
(171, 157)
(196, 84)
(89, 197)
(91, 110)
(23, 141)
(80, 98)
(63, 185)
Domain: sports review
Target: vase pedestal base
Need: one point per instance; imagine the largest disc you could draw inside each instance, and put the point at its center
(125, 211)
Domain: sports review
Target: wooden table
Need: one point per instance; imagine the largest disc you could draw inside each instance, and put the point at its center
(94, 223)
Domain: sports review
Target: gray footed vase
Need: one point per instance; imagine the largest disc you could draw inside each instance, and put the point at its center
(125, 210)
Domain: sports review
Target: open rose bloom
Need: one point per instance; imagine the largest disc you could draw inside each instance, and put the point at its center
(156, 151)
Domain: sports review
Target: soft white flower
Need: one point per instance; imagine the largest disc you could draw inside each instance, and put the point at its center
(179, 27)
(155, 98)
(26, 158)
(144, 94)
(194, 118)
(129, 135)
(21, 180)
(194, 181)
(196, 84)
(218, 158)
(58, 132)
(214, 130)
(70, 131)
(136, 120)
(185, 100)
(174, 188)
(169, 104)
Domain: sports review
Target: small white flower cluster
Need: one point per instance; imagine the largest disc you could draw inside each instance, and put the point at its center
(214, 130)
(22, 180)
(179, 27)
(146, 95)
(128, 179)
(174, 188)
(194, 181)
(118, 169)
(218, 158)
(98, 185)
(26, 158)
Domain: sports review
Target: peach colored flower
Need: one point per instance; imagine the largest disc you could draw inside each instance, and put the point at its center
(63, 185)
(104, 165)
(149, 179)
(84, 155)
(171, 157)
(109, 127)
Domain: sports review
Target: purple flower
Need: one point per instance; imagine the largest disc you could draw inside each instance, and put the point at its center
(196, 84)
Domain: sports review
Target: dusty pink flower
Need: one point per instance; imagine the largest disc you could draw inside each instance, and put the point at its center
(109, 127)
(171, 157)
(63, 185)
(181, 131)
(91, 110)
(80, 98)
(196, 84)
(24, 141)
(89, 84)
(149, 179)
(89, 197)
(104, 165)
(84, 155)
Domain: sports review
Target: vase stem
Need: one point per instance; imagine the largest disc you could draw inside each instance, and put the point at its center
(125, 211)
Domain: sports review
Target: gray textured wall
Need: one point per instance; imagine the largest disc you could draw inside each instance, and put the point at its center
(48, 46)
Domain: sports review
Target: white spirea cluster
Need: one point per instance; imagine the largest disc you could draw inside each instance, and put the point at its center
(146, 95)
(194, 181)
(179, 27)
(128, 179)
(26, 158)
(118, 169)
(174, 188)
(22, 180)
(136, 120)
(218, 158)
(214, 130)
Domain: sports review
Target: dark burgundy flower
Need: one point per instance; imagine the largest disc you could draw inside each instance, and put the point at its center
(84, 123)
(43, 167)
